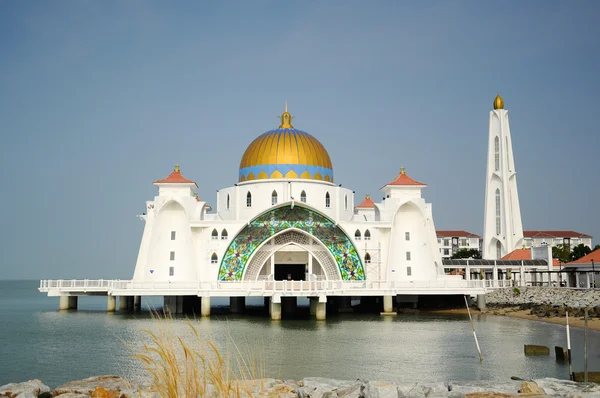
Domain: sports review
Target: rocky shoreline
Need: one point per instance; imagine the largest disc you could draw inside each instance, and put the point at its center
(316, 387)
(547, 302)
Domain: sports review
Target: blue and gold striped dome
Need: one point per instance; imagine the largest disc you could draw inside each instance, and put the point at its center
(286, 153)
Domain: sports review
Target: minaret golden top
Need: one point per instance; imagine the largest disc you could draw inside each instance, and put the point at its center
(286, 119)
(402, 171)
(177, 168)
(498, 102)
(367, 196)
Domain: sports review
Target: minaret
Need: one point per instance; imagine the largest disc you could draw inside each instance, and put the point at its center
(502, 227)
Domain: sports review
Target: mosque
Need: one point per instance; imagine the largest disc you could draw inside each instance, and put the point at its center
(287, 230)
(286, 219)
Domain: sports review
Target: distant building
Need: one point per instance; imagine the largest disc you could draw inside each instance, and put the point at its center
(451, 241)
(554, 238)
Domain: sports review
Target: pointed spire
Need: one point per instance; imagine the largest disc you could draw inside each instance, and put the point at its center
(498, 102)
(286, 119)
(402, 171)
(177, 168)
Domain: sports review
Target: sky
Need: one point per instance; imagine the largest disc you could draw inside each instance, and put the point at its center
(100, 99)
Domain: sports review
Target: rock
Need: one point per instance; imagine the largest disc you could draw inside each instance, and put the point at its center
(74, 395)
(381, 389)
(319, 387)
(101, 392)
(507, 387)
(530, 387)
(484, 394)
(31, 388)
(89, 386)
(566, 388)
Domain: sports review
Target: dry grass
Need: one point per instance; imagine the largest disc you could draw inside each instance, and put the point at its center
(195, 368)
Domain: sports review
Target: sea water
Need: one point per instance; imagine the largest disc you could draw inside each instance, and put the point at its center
(38, 341)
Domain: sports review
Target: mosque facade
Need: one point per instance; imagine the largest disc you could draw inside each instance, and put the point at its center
(286, 219)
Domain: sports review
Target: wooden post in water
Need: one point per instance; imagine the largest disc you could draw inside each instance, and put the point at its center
(473, 327)
(569, 348)
(585, 348)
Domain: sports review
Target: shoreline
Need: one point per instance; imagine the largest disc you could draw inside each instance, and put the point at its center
(516, 312)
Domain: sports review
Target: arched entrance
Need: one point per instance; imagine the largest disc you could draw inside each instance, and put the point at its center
(292, 254)
(307, 222)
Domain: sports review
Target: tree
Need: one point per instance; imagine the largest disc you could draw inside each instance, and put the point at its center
(596, 247)
(579, 251)
(562, 253)
(466, 253)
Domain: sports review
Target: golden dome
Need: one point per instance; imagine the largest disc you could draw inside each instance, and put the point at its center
(286, 152)
(498, 102)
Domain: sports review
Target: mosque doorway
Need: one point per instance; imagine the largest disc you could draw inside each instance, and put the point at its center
(290, 272)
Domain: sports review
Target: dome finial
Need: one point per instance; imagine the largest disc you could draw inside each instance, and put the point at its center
(498, 102)
(367, 196)
(402, 171)
(286, 119)
(177, 168)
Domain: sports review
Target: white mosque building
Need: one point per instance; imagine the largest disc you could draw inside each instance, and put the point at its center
(286, 230)
(285, 219)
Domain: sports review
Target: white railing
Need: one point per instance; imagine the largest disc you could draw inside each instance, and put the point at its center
(261, 286)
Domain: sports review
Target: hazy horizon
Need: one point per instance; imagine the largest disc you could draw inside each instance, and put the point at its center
(100, 99)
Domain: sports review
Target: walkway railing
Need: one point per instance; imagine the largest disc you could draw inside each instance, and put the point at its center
(260, 287)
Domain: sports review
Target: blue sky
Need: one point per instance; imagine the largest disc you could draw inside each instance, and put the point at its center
(99, 99)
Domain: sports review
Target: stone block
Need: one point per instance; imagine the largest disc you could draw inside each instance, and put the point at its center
(28, 388)
(592, 376)
(531, 387)
(531, 349)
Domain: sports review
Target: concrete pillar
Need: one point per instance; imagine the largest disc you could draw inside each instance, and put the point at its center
(123, 303)
(179, 304)
(468, 273)
(63, 303)
(170, 304)
(111, 304)
(72, 302)
(481, 302)
(388, 305)
(237, 305)
(276, 307)
(313, 305)
(321, 312)
(495, 275)
(310, 266)
(205, 306)
(137, 303)
(289, 304)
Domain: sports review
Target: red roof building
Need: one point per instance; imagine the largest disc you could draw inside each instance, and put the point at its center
(593, 256)
(175, 178)
(404, 179)
(367, 203)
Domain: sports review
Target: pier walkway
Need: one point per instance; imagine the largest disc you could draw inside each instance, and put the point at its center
(267, 288)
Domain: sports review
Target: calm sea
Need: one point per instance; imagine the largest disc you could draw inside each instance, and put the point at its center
(38, 341)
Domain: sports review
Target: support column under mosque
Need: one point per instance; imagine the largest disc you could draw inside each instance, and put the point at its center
(111, 303)
(137, 303)
(313, 305)
(72, 302)
(125, 303)
(205, 306)
(321, 308)
(276, 308)
(388, 305)
(237, 305)
(63, 303)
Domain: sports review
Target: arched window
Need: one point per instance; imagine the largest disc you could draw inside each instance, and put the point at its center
(227, 201)
(345, 202)
(274, 198)
(367, 235)
(215, 234)
(496, 153)
(224, 235)
(214, 258)
(249, 199)
(498, 249)
(303, 197)
(357, 235)
(367, 258)
(327, 200)
(498, 224)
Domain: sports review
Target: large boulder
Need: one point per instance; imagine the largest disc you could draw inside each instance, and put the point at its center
(381, 389)
(566, 388)
(101, 386)
(530, 387)
(320, 387)
(27, 389)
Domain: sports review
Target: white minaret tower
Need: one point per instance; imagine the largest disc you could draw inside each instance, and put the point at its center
(502, 227)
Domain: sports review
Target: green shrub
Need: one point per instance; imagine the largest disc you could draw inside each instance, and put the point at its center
(516, 291)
